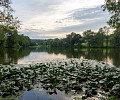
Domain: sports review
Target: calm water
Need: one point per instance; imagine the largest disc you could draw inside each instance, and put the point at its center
(33, 55)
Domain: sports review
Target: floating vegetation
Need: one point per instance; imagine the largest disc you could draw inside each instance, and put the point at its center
(83, 77)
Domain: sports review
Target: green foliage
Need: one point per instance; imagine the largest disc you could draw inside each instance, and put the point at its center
(115, 39)
(90, 39)
(6, 17)
(8, 25)
(114, 8)
(33, 44)
(9, 38)
(73, 39)
(105, 44)
(24, 40)
(84, 45)
(12, 40)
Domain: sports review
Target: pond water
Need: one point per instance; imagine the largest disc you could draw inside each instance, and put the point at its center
(34, 55)
(41, 95)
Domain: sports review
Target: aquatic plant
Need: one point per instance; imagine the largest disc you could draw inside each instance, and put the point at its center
(73, 76)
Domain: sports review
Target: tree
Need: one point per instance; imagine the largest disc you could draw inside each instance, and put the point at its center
(113, 6)
(88, 36)
(8, 25)
(12, 40)
(24, 40)
(100, 37)
(2, 35)
(106, 31)
(115, 39)
(6, 17)
(73, 39)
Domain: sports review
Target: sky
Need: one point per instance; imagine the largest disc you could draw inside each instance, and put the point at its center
(48, 19)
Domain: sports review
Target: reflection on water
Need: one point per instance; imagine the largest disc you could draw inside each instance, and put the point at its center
(27, 55)
(12, 56)
(41, 95)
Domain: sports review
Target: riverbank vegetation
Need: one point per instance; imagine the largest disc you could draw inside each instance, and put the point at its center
(89, 39)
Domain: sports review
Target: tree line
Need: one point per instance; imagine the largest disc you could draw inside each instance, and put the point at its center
(89, 38)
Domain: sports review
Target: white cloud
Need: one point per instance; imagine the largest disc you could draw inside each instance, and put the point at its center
(48, 16)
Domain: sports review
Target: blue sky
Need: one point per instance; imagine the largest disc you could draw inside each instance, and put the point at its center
(44, 19)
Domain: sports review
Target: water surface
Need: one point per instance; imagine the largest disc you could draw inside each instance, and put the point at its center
(34, 55)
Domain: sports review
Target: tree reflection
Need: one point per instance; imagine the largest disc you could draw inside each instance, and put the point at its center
(11, 56)
(8, 56)
(99, 54)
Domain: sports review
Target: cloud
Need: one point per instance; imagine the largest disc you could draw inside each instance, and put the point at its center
(56, 18)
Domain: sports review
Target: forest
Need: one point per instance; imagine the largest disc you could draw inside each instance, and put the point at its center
(88, 39)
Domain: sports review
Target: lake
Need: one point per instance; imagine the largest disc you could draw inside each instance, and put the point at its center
(27, 56)
(34, 55)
